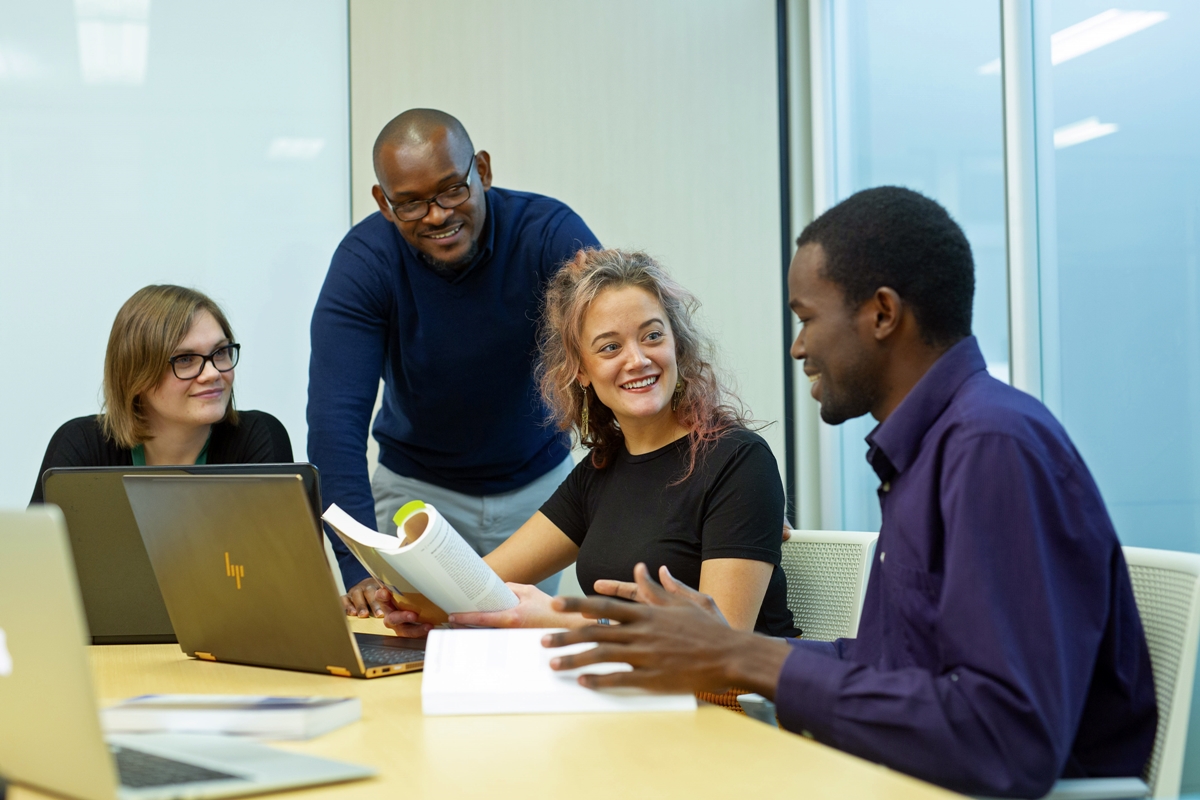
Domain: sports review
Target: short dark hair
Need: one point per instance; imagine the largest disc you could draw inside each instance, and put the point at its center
(895, 237)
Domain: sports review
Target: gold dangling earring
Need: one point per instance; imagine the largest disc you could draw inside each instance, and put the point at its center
(677, 395)
(583, 426)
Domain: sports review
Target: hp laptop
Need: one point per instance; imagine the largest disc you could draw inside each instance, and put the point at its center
(51, 738)
(244, 576)
(120, 595)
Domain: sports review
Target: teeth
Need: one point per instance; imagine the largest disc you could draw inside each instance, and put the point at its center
(814, 378)
(445, 235)
(639, 384)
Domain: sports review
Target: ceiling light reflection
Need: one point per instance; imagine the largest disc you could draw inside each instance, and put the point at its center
(298, 149)
(1094, 32)
(1083, 131)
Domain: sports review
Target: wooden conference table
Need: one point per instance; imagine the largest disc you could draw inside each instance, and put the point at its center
(710, 753)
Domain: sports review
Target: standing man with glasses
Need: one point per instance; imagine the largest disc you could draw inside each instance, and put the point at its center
(438, 294)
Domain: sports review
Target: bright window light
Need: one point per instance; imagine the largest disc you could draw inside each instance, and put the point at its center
(298, 149)
(113, 52)
(117, 9)
(1084, 37)
(1083, 131)
(114, 40)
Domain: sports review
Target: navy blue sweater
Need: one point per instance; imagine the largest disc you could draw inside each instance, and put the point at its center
(460, 406)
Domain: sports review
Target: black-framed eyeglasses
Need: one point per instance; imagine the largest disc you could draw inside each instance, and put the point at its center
(453, 197)
(187, 366)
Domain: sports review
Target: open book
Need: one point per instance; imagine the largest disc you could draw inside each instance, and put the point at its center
(427, 567)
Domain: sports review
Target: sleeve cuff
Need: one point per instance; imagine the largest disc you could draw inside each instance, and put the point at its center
(808, 688)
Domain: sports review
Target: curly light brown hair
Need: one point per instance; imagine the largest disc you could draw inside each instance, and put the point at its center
(145, 333)
(706, 407)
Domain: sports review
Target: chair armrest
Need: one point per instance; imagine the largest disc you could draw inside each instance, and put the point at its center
(758, 707)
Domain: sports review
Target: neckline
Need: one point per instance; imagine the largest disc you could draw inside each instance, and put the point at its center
(630, 458)
(139, 453)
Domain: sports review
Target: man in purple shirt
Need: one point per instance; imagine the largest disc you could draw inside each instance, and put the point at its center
(999, 647)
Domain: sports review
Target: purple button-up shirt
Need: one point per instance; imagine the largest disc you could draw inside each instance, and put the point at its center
(999, 647)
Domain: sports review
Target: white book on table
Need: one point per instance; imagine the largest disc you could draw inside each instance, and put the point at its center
(486, 671)
(258, 716)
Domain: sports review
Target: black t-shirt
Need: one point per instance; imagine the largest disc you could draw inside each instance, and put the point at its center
(258, 438)
(731, 506)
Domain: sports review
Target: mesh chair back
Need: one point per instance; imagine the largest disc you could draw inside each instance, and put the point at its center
(826, 580)
(1166, 586)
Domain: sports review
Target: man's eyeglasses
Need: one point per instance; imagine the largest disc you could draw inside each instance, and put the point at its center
(187, 366)
(452, 197)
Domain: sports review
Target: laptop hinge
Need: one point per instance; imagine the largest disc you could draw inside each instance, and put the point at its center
(205, 656)
(340, 671)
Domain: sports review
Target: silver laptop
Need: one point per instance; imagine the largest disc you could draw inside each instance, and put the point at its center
(242, 569)
(120, 595)
(50, 738)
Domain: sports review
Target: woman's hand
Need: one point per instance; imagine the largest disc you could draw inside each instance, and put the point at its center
(361, 600)
(533, 611)
(674, 591)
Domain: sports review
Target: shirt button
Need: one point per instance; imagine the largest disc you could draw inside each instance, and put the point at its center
(886, 486)
(881, 557)
(953, 677)
(807, 734)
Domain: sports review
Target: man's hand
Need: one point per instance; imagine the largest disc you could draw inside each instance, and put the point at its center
(361, 600)
(680, 591)
(672, 642)
(402, 621)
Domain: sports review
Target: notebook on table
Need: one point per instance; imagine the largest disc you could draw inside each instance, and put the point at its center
(51, 737)
(121, 597)
(245, 579)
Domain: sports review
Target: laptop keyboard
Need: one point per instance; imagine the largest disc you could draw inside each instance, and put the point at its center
(138, 769)
(374, 655)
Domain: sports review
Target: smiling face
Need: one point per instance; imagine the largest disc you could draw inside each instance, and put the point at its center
(835, 342)
(628, 357)
(420, 171)
(200, 401)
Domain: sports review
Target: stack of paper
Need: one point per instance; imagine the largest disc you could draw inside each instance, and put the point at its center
(240, 715)
(508, 672)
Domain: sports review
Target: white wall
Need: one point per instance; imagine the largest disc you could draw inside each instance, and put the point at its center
(139, 143)
(655, 120)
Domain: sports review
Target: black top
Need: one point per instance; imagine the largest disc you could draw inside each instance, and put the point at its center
(258, 438)
(730, 507)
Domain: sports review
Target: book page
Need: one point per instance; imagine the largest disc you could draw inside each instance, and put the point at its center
(443, 567)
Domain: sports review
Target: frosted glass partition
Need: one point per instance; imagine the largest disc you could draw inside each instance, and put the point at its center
(199, 142)
(915, 101)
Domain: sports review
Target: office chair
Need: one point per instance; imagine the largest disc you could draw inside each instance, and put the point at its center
(1166, 586)
(826, 582)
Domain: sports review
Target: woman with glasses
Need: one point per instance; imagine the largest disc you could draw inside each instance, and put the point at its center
(168, 393)
(673, 477)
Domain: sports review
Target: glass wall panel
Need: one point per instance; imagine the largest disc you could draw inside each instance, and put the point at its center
(1126, 88)
(1127, 137)
(916, 101)
(199, 142)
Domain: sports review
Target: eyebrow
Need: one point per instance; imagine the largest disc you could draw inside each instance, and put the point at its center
(645, 324)
(453, 176)
(224, 340)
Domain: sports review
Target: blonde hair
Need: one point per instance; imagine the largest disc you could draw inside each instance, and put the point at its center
(144, 335)
(705, 407)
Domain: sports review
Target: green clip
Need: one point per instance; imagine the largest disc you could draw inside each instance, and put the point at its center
(407, 510)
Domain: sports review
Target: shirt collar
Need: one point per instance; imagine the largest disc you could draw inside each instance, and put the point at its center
(895, 441)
